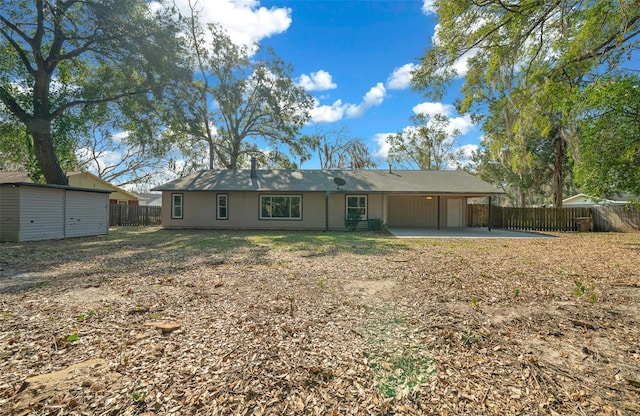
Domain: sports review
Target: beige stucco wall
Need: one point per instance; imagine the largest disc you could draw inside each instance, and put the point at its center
(199, 211)
(243, 211)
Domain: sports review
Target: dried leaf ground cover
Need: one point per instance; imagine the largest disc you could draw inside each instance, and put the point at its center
(146, 321)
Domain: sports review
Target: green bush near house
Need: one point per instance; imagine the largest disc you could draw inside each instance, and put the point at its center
(351, 222)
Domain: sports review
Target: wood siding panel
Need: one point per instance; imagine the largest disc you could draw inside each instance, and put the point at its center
(9, 212)
(41, 213)
(412, 211)
(86, 214)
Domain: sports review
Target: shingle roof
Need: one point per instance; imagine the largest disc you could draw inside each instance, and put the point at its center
(372, 181)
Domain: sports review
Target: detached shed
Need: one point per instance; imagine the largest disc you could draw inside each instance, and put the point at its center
(45, 212)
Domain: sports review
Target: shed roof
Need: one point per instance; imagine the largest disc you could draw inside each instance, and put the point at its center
(371, 181)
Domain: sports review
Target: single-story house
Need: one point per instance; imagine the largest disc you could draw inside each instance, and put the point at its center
(30, 211)
(319, 199)
(83, 180)
(582, 200)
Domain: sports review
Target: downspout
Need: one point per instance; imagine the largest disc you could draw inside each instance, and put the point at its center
(326, 211)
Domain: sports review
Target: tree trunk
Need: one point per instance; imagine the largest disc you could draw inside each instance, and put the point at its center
(559, 156)
(521, 196)
(45, 152)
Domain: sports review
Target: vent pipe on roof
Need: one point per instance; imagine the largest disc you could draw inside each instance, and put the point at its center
(254, 163)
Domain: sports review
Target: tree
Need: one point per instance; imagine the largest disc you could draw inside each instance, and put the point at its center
(119, 158)
(242, 102)
(59, 57)
(337, 149)
(428, 144)
(609, 142)
(531, 57)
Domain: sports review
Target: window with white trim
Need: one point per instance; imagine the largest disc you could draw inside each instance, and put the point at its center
(176, 206)
(280, 207)
(222, 207)
(357, 205)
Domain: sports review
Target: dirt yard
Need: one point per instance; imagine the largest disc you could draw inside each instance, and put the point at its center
(146, 321)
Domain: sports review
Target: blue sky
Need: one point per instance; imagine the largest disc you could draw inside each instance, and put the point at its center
(354, 57)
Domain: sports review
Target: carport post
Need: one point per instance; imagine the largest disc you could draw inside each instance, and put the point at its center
(438, 212)
(489, 214)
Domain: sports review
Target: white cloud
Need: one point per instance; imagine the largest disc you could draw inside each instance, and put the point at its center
(338, 110)
(383, 147)
(246, 21)
(317, 81)
(103, 158)
(119, 137)
(375, 96)
(463, 124)
(465, 153)
(400, 78)
(461, 65)
(327, 113)
(468, 150)
(428, 7)
(431, 109)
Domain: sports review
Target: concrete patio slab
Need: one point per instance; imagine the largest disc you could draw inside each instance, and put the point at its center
(462, 233)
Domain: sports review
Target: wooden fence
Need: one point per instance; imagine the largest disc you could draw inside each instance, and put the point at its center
(126, 215)
(616, 218)
(603, 218)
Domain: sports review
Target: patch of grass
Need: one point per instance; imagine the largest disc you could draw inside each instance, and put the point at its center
(470, 338)
(583, 290)
(86, 315)
(400, 374)
(400, 362)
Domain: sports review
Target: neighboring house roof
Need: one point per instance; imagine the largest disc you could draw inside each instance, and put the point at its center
(402, 181)
(14, 177)
(586, 200)
(152, 199)
(23, 177)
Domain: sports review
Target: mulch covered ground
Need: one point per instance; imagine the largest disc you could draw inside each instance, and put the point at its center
(146, 321)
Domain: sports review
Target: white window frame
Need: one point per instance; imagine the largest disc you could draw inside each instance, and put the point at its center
(219, 198)
(363, 216)
(271, 217)
(174, 206)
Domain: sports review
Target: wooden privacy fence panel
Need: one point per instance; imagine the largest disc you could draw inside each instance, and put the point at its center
(477, 215)
(616, 218)
(123, 215)
(527, 219)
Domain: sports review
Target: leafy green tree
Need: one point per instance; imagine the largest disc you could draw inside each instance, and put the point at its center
(240, 100)
(428, 144)
(60, 57)
(609, 142)
(528, 59)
